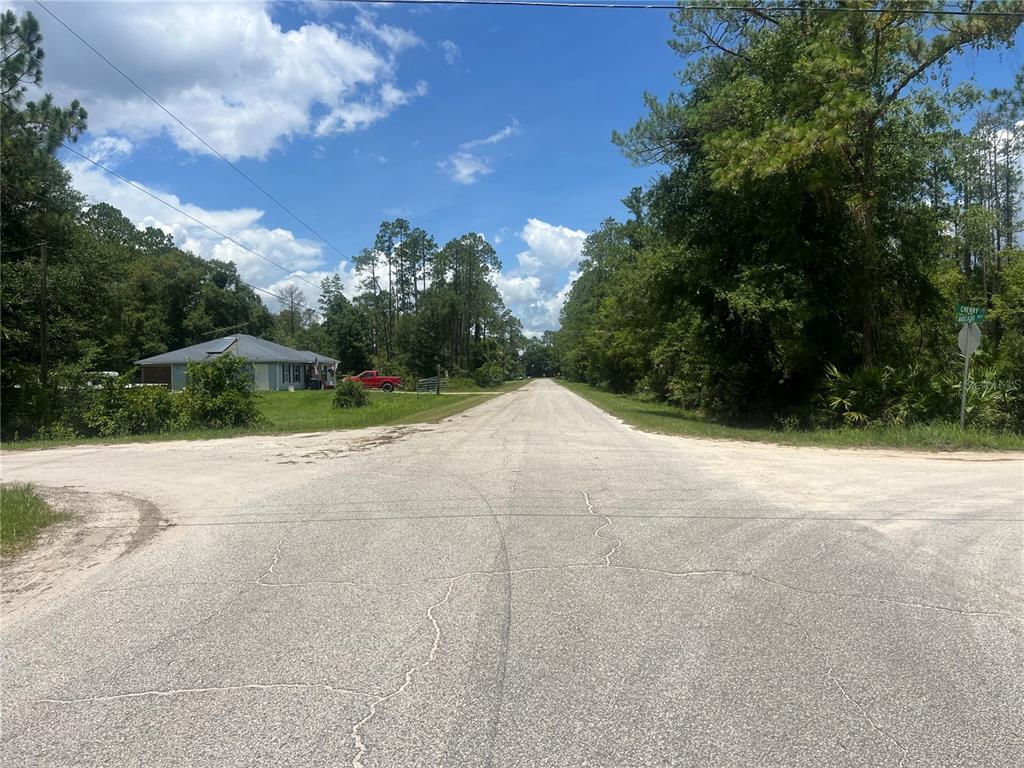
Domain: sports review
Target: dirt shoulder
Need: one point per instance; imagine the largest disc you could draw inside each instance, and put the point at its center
(100, 528)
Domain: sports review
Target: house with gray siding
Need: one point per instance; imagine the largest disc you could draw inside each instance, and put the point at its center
(274, 366)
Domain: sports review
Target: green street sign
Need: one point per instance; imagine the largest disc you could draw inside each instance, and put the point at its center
(966, 315)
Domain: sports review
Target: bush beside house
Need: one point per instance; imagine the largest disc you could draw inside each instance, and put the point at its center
(218, 394)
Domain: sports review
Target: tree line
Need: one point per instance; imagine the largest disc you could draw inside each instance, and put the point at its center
(83, 289)
(419, 308)
(819, 210)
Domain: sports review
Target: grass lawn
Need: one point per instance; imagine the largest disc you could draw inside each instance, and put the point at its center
(311, 411)
(305, 411)
(22, 516)
(670, 420)
(468, 385)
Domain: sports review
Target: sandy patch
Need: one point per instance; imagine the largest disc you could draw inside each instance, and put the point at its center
(102, 527)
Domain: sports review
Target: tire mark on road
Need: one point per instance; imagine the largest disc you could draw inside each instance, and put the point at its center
(504, 629)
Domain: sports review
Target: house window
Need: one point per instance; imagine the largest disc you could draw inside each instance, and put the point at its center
(291, 374)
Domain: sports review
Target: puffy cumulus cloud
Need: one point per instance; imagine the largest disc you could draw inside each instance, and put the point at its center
(464, 167)
(551, 248)
(540, 310)
(537, 287)
(517, 290)
(311, 295)
(228, 70)
(303, 257)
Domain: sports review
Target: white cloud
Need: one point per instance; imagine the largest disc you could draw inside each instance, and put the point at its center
(304, 257)
(539, 308)
(517, 290)
(109, 150)
(494, 138)
(239, 79)
(395, 38)
(464, 167)
(451, 52)
(357, 116)
(537, 287)
(551, 248)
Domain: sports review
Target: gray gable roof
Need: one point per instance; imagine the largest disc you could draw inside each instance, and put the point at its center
(241, 344)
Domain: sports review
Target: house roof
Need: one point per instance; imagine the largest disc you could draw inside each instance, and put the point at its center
(241, 344)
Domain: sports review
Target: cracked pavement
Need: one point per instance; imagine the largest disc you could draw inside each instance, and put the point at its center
(529, 583)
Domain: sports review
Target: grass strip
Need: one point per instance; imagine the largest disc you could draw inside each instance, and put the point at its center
(672, 420)
(23, 514)
(304, 411)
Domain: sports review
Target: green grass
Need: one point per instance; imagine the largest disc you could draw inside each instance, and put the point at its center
(22, 516)
(670, 420)
(311, 411)
(464, 384)
(304, 411)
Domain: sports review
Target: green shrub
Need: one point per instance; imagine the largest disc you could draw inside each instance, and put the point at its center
(350, 394)
(217, 394)
(886, 396)
(489, 375)
(145, 410)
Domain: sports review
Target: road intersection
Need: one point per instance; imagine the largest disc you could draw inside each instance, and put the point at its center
(529, 583)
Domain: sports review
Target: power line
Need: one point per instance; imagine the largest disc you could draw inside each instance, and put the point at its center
(199, 138)
(656, 6)
(226, 328)
(24, 247)
(201, 223)
(41, 199)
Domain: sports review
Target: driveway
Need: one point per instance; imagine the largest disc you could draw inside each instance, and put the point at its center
(529, 583)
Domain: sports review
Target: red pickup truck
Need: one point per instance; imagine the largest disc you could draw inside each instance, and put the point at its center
(373, 380)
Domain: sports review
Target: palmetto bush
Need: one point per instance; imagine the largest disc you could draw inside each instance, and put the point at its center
(888, 396)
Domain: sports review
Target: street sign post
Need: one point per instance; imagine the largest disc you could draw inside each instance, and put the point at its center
(967, 315)
(969, 340)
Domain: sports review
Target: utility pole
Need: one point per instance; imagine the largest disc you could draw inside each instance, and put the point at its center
(43, 363)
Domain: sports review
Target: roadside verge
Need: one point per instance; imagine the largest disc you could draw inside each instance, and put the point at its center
(666, 419)
(305, 411)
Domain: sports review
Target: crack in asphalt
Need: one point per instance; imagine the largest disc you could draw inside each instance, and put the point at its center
(607, 522)
(882, 599)
(210, 689)
(740, 574)
(357, 741)
(276, 558)
(315, 583)
(830, 674)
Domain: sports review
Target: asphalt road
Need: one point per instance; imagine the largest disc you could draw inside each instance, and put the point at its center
(529, 584)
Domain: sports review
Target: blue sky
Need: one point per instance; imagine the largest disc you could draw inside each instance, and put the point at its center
(493, 120)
